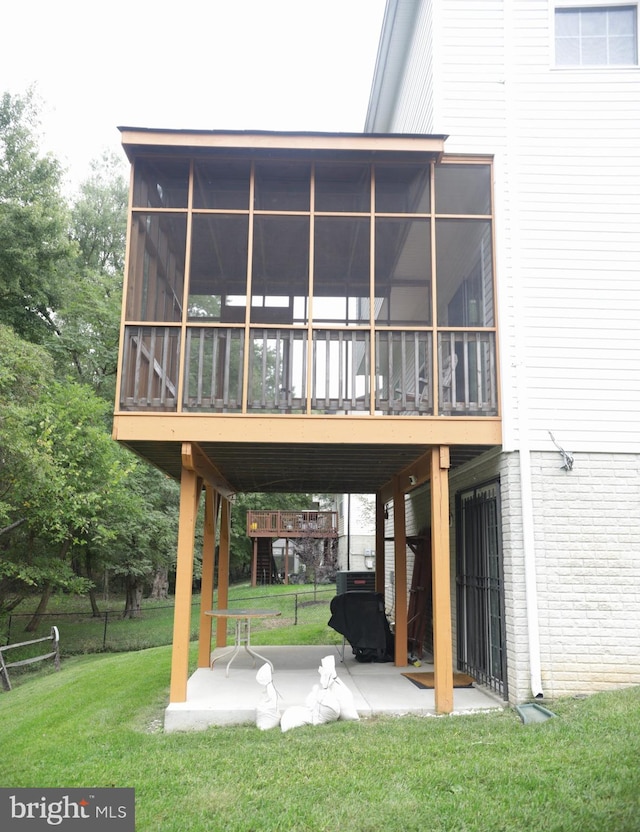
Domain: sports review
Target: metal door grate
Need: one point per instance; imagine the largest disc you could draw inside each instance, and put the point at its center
(479, 587)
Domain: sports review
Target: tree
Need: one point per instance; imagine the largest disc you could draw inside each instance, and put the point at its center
(25, 370)
(87, 478)
(88, 320)
(35, 249)
(319, 556)
(99, 216)
(25, 470)
(73, 503)
(144, 548)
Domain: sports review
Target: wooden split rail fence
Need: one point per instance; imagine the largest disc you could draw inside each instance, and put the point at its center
(54, 638)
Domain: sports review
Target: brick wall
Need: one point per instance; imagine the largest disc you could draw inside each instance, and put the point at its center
(587, 549)
(587, 533)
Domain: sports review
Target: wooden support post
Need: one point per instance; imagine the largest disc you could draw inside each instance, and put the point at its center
(254, 563)
(189, 494)
(286, 561)
(379, 543)
(223, 571)
(208, 571)
(442, 637)
(400, 567)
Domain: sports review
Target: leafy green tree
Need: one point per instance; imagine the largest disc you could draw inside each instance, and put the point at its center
(88, 321)
(24, 371)
(27, 471)
(143, 550)
(35, 249)
(88, 474)
(73, 503)
(99, 216)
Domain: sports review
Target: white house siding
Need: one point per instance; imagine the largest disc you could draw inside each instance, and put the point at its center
(576, 140)
(568, 209)
(356, 531)
(414, 103)
(414, 521)
(566, 147)
(567, 188)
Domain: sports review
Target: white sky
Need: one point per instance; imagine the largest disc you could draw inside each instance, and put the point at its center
(188, 64)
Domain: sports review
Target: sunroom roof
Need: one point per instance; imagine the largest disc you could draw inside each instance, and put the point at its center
(144, 140)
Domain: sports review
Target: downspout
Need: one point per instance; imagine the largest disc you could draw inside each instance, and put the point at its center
(519, 432)
(530, 579)
(526, 498)
(348, 532)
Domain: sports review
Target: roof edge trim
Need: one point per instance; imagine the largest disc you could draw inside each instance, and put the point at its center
(146, 138)
(395, 38)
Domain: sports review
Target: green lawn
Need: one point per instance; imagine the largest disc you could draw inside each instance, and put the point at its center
(96, 723)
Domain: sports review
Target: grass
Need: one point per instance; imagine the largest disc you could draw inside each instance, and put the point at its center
(96, 723)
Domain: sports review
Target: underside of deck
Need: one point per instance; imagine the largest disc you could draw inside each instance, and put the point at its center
(327, 455)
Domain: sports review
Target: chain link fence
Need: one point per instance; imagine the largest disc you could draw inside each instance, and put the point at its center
(301, 611)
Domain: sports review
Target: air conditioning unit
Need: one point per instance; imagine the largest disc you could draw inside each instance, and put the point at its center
(355, 582)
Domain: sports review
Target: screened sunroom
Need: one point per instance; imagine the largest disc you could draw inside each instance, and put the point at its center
(314, 275)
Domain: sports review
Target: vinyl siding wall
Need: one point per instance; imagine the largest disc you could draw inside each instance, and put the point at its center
(566, 145)
(567, 194)
(414, 103)
(356, 531)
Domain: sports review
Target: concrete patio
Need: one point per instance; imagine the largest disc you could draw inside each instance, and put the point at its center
(213, 698)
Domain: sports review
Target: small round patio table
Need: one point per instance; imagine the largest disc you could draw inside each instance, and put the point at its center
(243, 620)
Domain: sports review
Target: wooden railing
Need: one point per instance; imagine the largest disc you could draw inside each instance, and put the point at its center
(214, 359)
(341, 372)
(404, 371)
(292, 524)
(150, 368)
(54, 654)
(468, 377)
(278, 371)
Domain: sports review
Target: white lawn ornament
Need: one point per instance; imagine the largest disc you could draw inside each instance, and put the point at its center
(322, 700)
(327, 702)
(341, 692)
(295, 717)
(267, 714)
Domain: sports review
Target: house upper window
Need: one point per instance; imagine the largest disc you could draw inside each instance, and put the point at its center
(596, 36)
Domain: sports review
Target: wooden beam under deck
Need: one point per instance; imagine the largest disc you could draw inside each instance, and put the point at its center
(415, 475)
(302, 429)
(194, 459)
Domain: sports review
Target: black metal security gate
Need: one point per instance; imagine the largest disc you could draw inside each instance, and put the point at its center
(479, 587)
